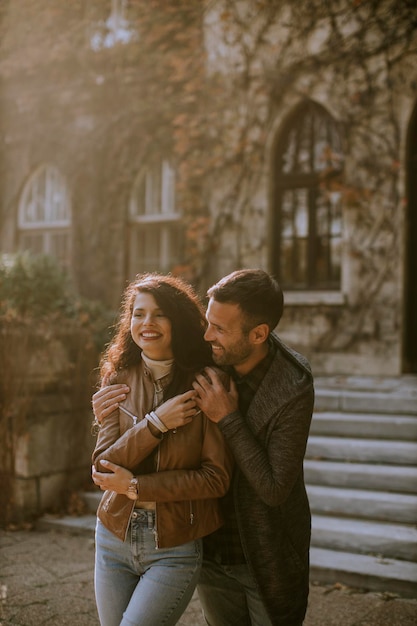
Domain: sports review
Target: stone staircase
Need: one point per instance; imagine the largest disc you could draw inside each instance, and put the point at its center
(361, 475)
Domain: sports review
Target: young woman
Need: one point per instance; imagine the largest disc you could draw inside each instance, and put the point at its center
(162, 464)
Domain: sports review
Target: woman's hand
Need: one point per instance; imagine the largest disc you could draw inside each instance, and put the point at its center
(179, 410)
(117, 479)
(107, 400)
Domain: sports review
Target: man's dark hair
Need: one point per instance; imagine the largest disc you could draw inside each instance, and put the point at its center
(258, 295)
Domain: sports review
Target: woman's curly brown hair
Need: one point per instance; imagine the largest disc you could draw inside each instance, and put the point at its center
(181, 305)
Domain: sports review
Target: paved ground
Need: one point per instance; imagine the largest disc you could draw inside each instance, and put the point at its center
(46, 578)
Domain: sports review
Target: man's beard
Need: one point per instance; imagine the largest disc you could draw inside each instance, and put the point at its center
(233, 356)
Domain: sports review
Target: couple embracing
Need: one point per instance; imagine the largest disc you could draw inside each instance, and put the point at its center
(203, 420)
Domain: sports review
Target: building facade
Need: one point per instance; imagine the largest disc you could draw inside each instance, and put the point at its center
(200, 138)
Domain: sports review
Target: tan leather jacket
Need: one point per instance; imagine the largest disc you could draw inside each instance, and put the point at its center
(185, 472)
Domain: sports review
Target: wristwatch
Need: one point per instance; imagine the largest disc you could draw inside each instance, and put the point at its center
(132, 490)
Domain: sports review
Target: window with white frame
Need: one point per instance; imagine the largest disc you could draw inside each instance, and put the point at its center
(44, 215)
(155, 237)
(307, 213)
(115, 29)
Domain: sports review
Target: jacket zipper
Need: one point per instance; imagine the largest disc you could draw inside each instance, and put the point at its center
(135, 420)
(134, 417)
(191, 513)
(239, 525)
(129, 520)
(156, 504)
(110, 497)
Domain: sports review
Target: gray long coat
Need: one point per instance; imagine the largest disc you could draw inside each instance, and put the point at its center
(270, 497)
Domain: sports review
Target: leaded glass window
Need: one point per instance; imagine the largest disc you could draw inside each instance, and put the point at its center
(155, 224)
(307, 221)
(44, 215)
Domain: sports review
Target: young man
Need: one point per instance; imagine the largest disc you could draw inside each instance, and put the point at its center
(256, 566)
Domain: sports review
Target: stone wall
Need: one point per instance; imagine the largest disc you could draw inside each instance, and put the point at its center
(52, 456)
(262, 63)
(45, 420)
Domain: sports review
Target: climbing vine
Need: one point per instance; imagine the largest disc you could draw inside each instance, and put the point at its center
(355, 57)
(206, 82)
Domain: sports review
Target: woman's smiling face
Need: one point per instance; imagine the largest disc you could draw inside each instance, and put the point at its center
(150, 328)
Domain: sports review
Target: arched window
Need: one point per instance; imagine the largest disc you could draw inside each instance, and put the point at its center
(116, 29)
(44, 215)
(307, 221)
(155, 236)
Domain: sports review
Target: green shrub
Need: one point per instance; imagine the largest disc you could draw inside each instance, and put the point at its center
(34, 287)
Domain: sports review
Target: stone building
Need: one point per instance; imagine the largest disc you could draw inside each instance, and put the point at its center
(200, 137)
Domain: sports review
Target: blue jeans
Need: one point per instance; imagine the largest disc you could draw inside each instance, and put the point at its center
(137, 584)
(229, 596)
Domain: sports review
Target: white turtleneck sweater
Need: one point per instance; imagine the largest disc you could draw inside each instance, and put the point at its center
(159, 369)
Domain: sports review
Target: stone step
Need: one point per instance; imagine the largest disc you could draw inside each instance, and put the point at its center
(81, 525)
(327, 566)
(393, 478)
(396, 427)
(362, 504)
(361, 394)
(362, 450)
(363, 571)
(363, 402)
(380, 505)
(394, 541)
(391, 540)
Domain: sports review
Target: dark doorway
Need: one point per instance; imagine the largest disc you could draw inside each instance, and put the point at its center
(410, 291)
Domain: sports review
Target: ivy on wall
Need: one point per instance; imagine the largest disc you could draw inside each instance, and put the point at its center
(206, 83)
(50, 341)
(356, 58)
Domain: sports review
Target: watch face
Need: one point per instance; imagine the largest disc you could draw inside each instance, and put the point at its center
(132, 490)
